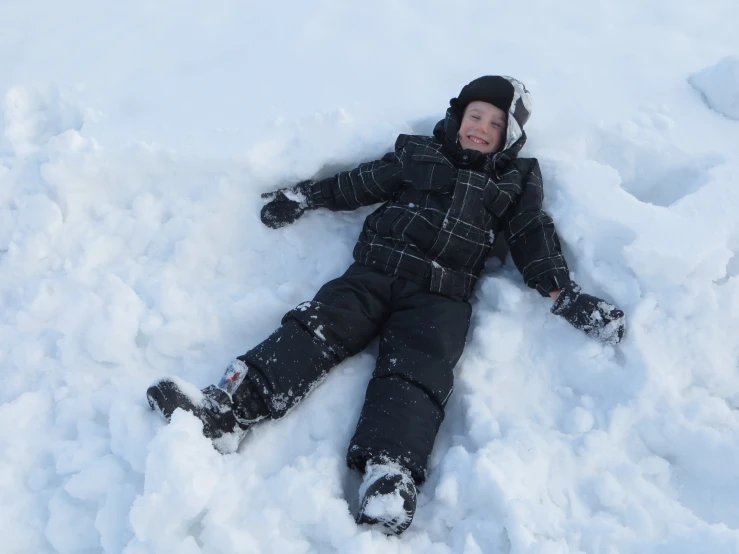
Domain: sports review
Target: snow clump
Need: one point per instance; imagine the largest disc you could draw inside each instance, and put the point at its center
(719, 85)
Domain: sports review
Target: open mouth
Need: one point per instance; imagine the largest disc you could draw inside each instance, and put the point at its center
(477, 140)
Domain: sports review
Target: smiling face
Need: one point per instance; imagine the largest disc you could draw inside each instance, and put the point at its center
(483, 127)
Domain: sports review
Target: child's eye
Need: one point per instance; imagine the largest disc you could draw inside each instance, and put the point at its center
(475, 117)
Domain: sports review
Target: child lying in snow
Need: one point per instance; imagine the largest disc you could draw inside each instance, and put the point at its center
(416, 263)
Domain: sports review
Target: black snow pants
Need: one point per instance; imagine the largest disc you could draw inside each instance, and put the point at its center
(422, 335)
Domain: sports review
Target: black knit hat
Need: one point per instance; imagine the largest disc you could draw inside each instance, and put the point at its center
(505, 93)
(492, 89)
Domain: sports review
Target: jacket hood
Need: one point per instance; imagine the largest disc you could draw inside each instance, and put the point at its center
(519, 112)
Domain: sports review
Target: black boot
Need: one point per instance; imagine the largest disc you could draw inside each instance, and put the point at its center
(387, 498)
(226, 417)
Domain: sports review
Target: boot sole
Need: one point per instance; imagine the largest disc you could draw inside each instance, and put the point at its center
(155, 397)
(159, 402)
(165, 397)
(388, 527)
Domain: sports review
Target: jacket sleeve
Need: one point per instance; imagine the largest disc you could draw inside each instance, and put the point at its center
(366, 184)
(533, 240)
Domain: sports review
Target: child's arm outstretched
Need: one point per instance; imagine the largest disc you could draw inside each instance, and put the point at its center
(537, 253)
(533, 240)
(366, 184)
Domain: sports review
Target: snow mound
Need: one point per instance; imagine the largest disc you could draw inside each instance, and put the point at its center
(32, 116)
(719, 85)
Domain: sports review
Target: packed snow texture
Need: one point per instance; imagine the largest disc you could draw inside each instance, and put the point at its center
(135, 140)
(719, 85)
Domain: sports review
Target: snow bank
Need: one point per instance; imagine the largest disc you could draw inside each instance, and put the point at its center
(719, 85)
(34, 115)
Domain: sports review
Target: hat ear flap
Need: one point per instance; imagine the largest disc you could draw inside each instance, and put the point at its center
(454, 103)
(521, 112)
(513, 133)
(521, 105)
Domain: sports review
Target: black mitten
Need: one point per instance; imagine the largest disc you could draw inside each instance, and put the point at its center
(286, 205)
(596, 317)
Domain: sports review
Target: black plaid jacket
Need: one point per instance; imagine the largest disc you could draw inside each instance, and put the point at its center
(442, 207)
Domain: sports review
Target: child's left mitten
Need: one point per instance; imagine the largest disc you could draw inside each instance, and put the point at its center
(596, 317)
(286, 205)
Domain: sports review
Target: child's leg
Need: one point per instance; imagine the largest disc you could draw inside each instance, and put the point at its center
(340, 321)
(267, 381)
(420, 344)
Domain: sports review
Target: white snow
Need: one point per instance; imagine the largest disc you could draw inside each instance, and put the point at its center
(719, 85)
(135, 140)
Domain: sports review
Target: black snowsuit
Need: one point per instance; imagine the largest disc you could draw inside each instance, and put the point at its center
(417, 260)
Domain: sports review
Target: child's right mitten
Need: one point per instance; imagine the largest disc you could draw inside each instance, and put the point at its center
(286, 205)
(596, 317)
